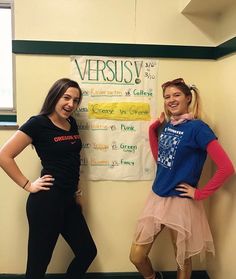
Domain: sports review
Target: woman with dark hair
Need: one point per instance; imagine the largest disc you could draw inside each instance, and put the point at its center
(54, 202)
(180, 149)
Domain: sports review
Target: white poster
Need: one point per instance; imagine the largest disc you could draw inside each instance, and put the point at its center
(119, 101)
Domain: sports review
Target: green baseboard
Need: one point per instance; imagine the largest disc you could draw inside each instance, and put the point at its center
(113, 275)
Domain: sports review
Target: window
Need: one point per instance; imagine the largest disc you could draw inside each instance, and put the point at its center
(7, 101)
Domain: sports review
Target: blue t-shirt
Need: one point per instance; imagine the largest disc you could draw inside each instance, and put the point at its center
(181, 156)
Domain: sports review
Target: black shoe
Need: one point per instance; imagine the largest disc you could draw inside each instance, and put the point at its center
(159, 275)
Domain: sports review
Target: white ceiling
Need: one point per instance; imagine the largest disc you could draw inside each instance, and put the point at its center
(208, 7)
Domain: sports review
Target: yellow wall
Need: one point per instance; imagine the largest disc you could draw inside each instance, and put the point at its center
(222, 204)
(111, 207)
(133, 21)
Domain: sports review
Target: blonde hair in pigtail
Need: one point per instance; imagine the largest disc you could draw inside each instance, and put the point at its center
(196, 105)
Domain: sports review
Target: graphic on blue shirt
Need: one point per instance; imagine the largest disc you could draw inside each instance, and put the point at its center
(167, 149)
(181, 156)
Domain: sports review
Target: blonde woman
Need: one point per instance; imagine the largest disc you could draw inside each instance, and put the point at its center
(180, 151)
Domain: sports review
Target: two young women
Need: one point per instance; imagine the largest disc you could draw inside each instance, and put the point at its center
(54, 203)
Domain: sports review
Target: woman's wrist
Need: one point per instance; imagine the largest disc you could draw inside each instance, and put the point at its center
(25, 184)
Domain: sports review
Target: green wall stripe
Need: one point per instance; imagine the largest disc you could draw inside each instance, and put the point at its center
(111, 49)
(225, 48)
(126, 50)
(7, 118)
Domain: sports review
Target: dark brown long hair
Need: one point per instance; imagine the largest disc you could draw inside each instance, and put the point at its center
(55, 92)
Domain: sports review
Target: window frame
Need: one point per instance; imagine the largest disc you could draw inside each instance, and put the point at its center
(9, 114)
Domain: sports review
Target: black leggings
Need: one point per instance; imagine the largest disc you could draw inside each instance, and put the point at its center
(51, 213)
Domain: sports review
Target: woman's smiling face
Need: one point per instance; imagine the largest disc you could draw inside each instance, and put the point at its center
(175, 101)
(68, 102)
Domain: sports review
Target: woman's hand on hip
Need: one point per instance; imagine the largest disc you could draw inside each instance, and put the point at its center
(186, 190)
(40, 184)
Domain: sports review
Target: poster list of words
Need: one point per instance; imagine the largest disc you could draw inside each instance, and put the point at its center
(119, 101)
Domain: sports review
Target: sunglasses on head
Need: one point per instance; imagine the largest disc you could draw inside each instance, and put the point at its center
(172, 82)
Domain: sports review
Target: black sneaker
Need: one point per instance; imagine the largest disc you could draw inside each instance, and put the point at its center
(159, 275)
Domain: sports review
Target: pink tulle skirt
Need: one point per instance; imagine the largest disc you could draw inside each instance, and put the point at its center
(185, 216)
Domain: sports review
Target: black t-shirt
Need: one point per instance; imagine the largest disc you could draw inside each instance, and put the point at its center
(58, 150)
